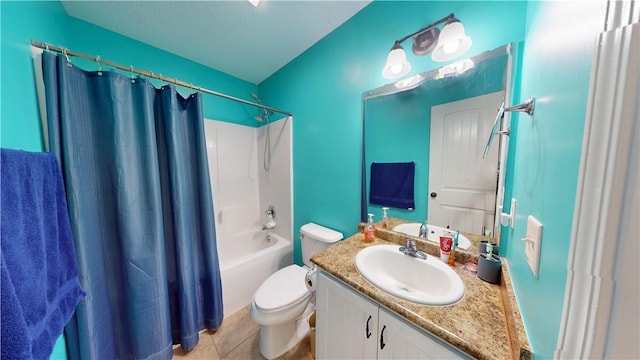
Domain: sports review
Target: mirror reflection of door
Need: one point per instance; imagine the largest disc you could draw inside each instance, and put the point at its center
(462, 185)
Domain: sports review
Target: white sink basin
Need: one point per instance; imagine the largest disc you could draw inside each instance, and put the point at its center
(433, 235)
(429, 282)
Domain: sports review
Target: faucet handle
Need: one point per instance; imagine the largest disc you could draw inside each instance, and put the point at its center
(424, 229)
(271, 211)
(411, 244)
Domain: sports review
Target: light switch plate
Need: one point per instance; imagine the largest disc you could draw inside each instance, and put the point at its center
(532, 243)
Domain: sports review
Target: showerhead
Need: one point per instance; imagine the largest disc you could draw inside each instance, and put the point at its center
(265, 114)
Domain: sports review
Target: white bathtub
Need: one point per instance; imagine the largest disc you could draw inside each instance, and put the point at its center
(246, 260)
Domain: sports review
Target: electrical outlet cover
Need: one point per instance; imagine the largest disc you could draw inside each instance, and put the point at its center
(532, 243)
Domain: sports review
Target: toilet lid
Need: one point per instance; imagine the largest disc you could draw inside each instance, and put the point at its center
(284, 287)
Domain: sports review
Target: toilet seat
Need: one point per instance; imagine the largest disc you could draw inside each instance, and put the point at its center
(282, 289)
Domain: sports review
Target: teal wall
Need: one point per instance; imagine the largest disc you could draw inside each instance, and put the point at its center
(46, 21)
(323, 88)
(20, 22)
(556, 68)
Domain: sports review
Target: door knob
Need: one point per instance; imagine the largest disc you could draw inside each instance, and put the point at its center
(433, 195)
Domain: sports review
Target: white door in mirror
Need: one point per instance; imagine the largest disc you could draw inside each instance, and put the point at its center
(532, 243)
(462, 185)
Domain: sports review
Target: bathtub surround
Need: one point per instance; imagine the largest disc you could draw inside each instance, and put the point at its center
(141, 211)
(243, 191)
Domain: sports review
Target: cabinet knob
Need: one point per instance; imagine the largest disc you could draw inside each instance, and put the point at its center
(382, 344)
(367, 332)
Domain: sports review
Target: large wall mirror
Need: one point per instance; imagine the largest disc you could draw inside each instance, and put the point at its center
(439, 121)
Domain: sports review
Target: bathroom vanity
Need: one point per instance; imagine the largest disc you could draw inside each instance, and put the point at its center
(358, 320)
(354, 327)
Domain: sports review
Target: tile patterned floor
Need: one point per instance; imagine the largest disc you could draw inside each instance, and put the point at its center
(238, 339)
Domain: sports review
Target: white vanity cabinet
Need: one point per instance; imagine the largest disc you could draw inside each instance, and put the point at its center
(350, 326)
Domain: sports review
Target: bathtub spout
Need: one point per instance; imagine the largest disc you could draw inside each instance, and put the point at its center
(269, 225)
(271, 215)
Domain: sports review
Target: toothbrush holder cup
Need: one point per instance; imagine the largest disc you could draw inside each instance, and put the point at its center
(489, 269)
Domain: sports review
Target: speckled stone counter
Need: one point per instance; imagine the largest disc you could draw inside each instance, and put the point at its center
(476, 325)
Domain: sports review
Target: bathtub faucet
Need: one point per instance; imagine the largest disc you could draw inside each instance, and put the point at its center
(271, 211)
(271, 215)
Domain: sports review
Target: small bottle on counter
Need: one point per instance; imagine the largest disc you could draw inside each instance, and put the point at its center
(385, 220)
(369, 230)
(452, 256)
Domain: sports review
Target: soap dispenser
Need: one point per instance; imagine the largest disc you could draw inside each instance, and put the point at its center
(385, 220)
(369, 230)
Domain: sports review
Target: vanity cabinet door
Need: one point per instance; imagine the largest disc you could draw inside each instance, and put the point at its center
(400, 340)
(346, 323)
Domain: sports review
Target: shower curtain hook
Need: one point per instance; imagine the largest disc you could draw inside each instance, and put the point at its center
(133, 76)
(64, 52)
(99, 65)
(46, 46)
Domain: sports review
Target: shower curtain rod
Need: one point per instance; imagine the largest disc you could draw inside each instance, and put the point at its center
(150, 74)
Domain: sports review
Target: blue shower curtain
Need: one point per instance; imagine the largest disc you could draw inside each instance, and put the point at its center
(134, 164)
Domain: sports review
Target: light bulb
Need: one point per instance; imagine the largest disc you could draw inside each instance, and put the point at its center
(397, 64)
(450, 47)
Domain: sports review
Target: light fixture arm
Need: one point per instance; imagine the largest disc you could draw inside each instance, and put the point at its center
(445, 19)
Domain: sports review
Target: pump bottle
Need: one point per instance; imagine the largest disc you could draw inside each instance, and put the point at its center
(369, 230)
(385, 219)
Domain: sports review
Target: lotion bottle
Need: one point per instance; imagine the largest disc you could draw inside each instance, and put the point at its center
(369, 230)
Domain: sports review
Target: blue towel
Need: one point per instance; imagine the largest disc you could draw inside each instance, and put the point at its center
(392, 185)
(40, 288)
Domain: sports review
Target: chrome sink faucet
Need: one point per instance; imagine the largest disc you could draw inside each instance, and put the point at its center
(412, 250)
(424, 230)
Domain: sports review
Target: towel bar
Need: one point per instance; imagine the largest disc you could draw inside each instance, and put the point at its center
(526, 107)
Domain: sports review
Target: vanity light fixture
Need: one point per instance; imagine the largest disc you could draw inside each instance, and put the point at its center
(454, 69)
(255, 2)
(410, 82)
(443, 45)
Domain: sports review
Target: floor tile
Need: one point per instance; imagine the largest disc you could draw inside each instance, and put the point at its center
(302, 351)
(238, 339)
(247, 350)
(235, 330)
(205, 349)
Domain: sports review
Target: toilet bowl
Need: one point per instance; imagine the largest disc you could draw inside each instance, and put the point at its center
(284, 302)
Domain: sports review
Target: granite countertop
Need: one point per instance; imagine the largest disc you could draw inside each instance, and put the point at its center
(478, 325)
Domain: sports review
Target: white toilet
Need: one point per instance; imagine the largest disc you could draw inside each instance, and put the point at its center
(284, 302)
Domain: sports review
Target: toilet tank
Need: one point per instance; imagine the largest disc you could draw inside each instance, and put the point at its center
(314, 238)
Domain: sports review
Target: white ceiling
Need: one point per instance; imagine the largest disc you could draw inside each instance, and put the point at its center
(235, 37)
